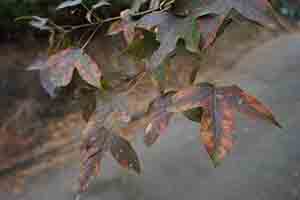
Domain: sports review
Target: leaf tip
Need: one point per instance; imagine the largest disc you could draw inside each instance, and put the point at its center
(215, 159)
(276, 123)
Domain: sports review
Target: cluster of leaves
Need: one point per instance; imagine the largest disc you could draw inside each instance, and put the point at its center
(152, 29)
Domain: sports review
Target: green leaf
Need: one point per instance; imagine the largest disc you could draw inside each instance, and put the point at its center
(194, 114)
(169, 30)
(142, 47)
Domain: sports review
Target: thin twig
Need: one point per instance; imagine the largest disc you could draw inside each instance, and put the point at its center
(99, 24)
(91, 11)
(91, 37)
(135, 82)
(72, 28)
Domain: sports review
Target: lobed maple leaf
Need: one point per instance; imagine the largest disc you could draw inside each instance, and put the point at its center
(254, 10)
(215, 107)
(101, 136)
(58, 69)
(257, 11)
(170, 29)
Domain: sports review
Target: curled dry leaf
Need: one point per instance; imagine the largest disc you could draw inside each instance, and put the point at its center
(57, 70)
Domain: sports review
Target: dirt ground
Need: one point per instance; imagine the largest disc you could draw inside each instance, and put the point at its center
(263, 165)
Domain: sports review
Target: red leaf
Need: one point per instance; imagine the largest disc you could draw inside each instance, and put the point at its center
(217, 122)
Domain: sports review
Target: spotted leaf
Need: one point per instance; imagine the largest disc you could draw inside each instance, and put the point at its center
(124, 154)
(218, 117)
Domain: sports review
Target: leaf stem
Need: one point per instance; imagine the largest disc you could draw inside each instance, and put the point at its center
(72, 28)
(91, 37)
(100, 23)
(91, 11)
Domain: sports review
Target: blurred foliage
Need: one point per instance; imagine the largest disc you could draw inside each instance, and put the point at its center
(289, 8)
(10, 9)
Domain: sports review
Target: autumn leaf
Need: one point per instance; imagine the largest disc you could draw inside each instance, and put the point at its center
(100, 137)
(169, 30)
(160, 121)
(254, 10)
(125, 25)
(218, 119)
(212, 14)
(124, 154)
(209, 26)
(58, 69)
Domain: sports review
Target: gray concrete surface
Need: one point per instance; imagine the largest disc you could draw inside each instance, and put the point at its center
(264, 164)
